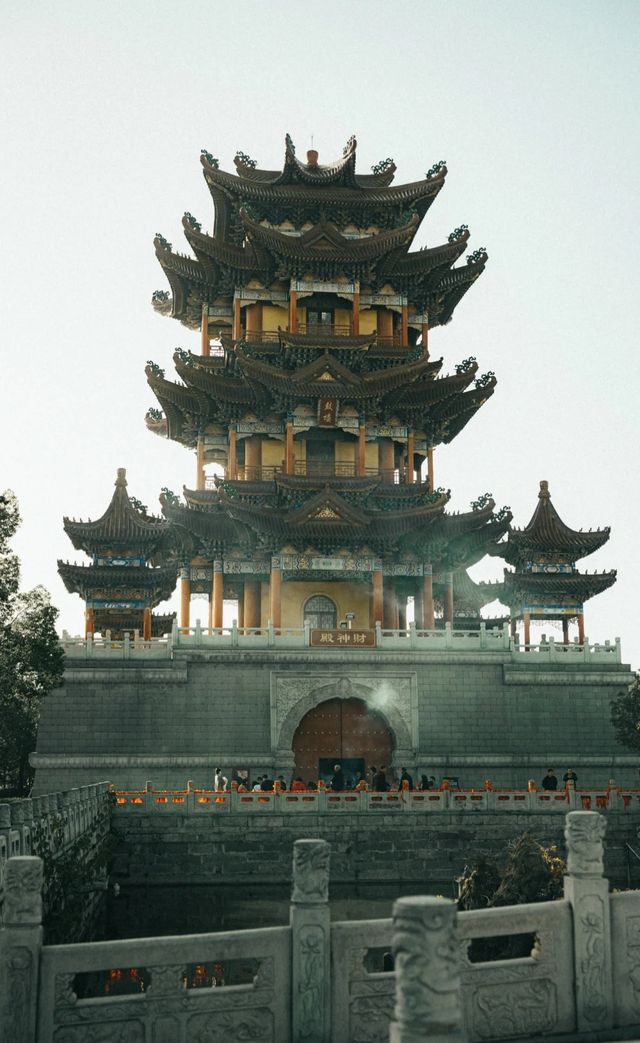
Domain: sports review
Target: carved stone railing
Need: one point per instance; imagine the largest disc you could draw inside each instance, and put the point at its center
(209, 803)
(336, 983)
(485, 639)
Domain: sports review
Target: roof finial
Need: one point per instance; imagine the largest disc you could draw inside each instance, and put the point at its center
(544, 493)
(122, 477)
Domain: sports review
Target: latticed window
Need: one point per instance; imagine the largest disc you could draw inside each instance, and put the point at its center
(320, 613)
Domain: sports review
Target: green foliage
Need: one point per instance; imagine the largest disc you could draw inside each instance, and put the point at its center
(625, 715)
(31, 659)
(533, 873)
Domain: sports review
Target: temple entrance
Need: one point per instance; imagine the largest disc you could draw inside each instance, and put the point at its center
(320, 613)
(342, 731)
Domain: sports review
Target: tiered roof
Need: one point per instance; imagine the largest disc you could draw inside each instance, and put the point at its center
(123, 528)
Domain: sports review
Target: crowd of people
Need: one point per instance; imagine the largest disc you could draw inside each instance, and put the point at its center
(374, 780)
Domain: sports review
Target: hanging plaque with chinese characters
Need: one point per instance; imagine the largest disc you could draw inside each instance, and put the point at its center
(327, 412)
(343, 638)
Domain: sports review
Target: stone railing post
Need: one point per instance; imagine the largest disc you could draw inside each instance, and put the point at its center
(428, 991)
(588, 892)
(20, 944)
(310, 943)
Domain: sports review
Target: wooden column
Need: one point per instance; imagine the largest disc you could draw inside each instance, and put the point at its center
(252, 603)
(565, 631)
(275, 593)
(253, 316)
(205, 345)
(428, 611)
(89, 622)
(390, 607)
(527, 628)
(580, 628)
(200, 462)
(410, 458)
(289, 459)
(418, 609)
(237, 320)
(448, 598)
(146, 624)
(210, 607)
(185, 598)
(293, 311)
(361, 468)
(252, 458)
(385, 459)
(425, 338)
(217, 593)
(402, 612)
(430, 474)
(405, 324)
(232, 457)
(240, 610)
(385, 324)
(355, 321)
(378, 596)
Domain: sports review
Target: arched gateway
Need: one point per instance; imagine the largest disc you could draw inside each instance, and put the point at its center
(344, 731)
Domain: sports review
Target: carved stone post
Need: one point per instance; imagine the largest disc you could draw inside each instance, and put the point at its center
(20, 944)
(588, 892)
(310, 943)
(428, 994)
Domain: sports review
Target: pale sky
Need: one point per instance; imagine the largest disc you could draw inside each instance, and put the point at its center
(534, 106)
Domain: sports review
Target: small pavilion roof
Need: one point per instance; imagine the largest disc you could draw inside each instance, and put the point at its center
(121, 526)
(89, 580)
(547, 535)
(544, 587)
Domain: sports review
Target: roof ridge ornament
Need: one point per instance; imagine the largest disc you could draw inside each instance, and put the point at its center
(544, 493)
(121, 477)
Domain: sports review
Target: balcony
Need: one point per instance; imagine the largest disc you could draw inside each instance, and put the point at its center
(321, 335)
(321, 471)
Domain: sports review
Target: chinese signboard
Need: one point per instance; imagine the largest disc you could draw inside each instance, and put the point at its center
(343, 638)
(327, 412)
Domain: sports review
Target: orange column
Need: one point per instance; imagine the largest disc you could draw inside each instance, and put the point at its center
(425, 337)
(293, 311)
(146, 625)
(565, 631)
(448, 598)
(205, 346)
(252, 458)
(410, 458)
(89, 623)
(385, 459)
(428, 611)
(185, 598)
(200, 462)
(378, 597)
(580, 628)
(361, 469)
(275, 593)
(390, 606)
(527, 629)
(290, 462)
(253, 314)
(217, 594)
(252, 603)
(237, 320)
(232, 458)
(430, 474)
(355, 321)
(405, 324)
(385, 324)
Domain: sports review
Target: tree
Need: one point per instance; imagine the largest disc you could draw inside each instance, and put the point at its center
(625, 715)
(31, 659)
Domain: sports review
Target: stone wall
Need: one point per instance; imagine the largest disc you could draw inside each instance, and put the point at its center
(493, 713)
(392, 848)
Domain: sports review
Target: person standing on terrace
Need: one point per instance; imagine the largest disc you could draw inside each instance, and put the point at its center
(550, 781)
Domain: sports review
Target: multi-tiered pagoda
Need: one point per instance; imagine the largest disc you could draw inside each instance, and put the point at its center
(545, 583)
(128, 575)
(316, 392)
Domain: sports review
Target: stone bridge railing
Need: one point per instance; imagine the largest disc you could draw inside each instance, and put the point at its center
(448, 639)
(329, 983)
(193, 802)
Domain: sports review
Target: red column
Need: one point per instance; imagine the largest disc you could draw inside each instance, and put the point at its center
(448, 599)
(428, 611)
(378, 596)
(217, 593)
(275, 592)
(581, 628)
(146, 625)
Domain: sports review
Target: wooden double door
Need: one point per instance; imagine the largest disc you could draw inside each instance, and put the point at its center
(344, 731)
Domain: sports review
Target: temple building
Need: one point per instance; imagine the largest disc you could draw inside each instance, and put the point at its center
(121, 586)
(545, 583)
(316, 392)
(315, 412)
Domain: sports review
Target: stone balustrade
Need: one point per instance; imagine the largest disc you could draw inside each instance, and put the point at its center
(60, 819)
(334, 982)
(194, 802)
(445, 640)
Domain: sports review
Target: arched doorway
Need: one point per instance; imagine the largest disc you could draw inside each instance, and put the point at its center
(341, 730)
(320, 613)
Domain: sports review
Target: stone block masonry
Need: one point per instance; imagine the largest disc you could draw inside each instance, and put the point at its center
(460, 708)
(409, 848)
